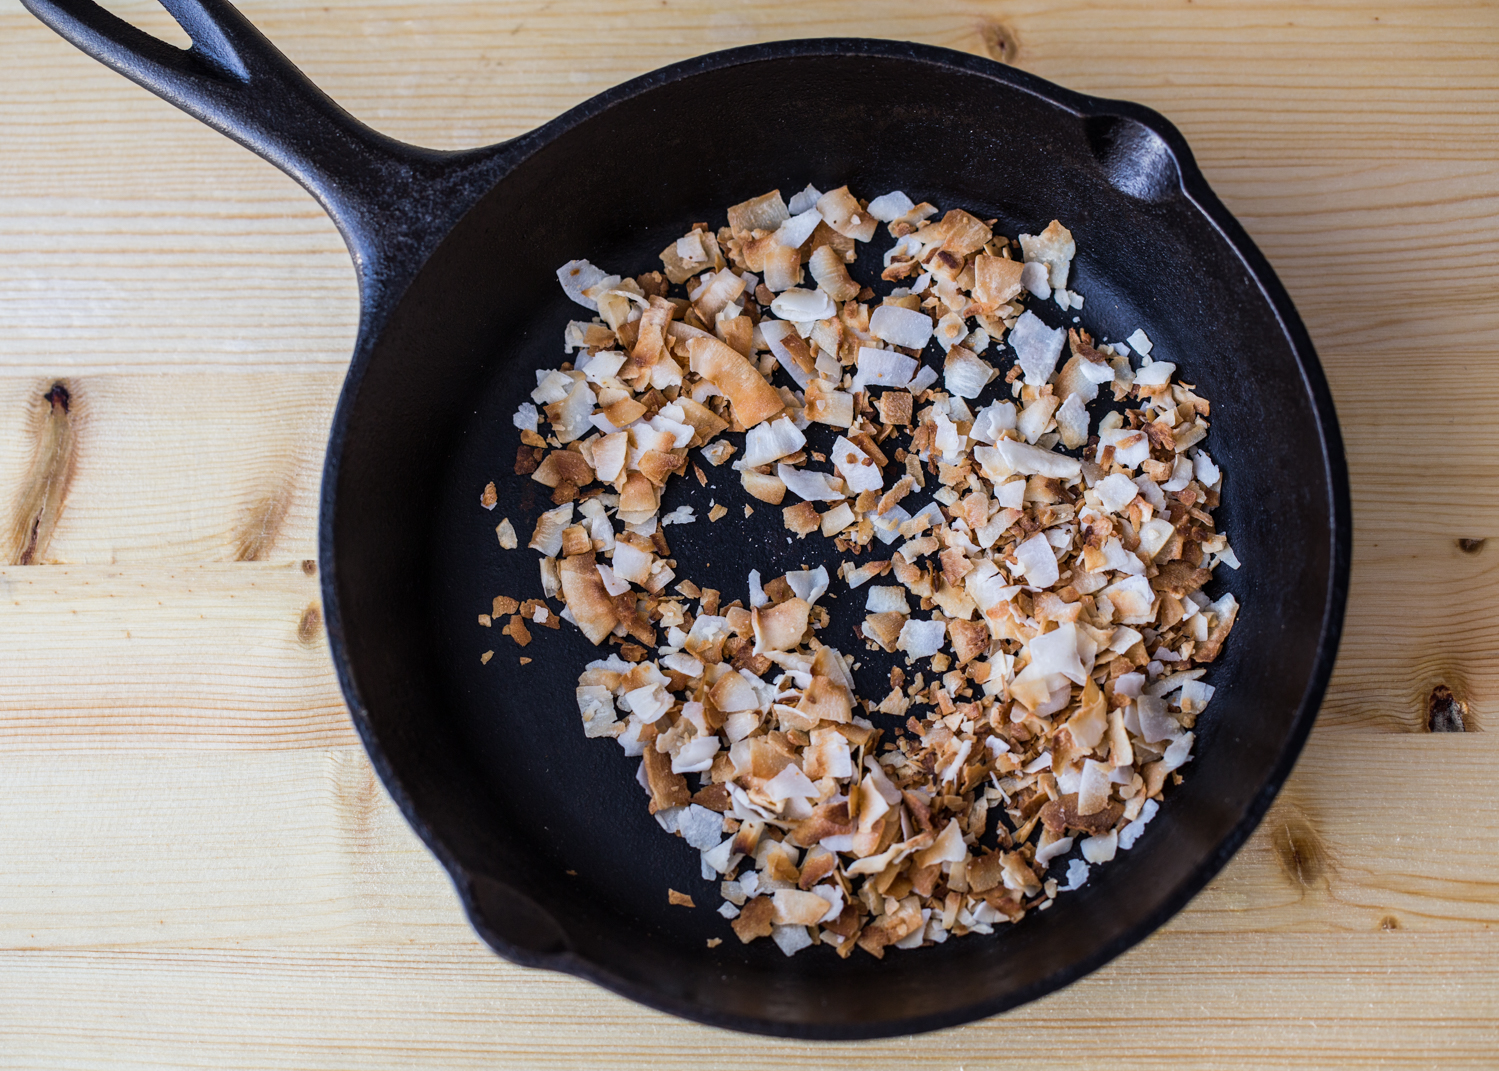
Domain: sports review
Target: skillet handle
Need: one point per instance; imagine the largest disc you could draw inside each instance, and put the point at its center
(392, 202)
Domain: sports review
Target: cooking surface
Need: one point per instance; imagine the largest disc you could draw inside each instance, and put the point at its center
(197, 865)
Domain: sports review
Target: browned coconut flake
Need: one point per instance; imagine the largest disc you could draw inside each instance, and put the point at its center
(1040, 566)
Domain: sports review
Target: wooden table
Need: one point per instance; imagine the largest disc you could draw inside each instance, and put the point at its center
(197, 865)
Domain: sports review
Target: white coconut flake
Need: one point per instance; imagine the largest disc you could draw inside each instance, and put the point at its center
(801, 305)
(809, 584)
(1156, 374)
(884, 368)
(1077, 875)
(921, 639)
(884, 599)
(808, 485)
(788, 783)
(966, 375)
(577, 276)
(1115, 492)
(857, 468)
(1131, 833)
(796, 230)
(1037, 347)
(791, 939)
(1036, 277)
(890, 206)
(769, 442)
(901, 326)
(1059, 847)
(1100, 849)
(1179, 753)
(526, 417)
(1140, 342)
(1033, 461)
(1038, 560)
(803, 200)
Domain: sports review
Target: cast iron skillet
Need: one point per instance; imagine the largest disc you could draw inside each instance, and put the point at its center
(545, 833)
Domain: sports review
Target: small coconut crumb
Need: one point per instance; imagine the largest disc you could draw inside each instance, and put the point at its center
(717, 512)
(525, 661)
(718, 452)
(485, 657)
(506, 533)
(677, 899)
(714, 942)
(490, 497)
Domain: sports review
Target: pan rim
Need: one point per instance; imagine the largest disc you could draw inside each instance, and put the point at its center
(1198, 193)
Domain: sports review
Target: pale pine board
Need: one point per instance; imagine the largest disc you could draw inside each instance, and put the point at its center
(1293, 1002)
(230, 848)
(204, 871)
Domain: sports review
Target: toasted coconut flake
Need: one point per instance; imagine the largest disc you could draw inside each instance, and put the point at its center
(828, 406)
(766, 488)
(782, 266)
(836, 520)
(1053, 247)
(754, 399)
(755, 919)
(827, 699)
(591, 606)
(841, 211)
(828, 268)
(763, 213)
(801, 518)
(547, 538)
(894, 407)
(780, 628)
(796, 908)
(996, 280)
(563, 466)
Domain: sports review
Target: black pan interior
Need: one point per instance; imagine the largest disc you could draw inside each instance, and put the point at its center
(489, 760)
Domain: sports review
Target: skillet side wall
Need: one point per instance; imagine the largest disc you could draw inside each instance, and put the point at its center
(492, 757)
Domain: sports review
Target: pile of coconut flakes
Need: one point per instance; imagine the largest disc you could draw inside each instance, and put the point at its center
(1048, 604)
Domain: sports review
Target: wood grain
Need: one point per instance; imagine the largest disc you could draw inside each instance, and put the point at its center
(197, 865)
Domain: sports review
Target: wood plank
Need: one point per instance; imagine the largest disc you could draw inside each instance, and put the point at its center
(1269, 1001)
(227, 656)
(230, 464)
(132, 847)
(1337, 78)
